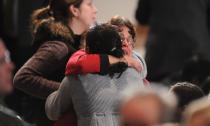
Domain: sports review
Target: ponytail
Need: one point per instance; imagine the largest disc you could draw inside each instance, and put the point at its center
(39, 17)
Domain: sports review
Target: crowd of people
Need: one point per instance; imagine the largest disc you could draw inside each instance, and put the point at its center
(88, 74)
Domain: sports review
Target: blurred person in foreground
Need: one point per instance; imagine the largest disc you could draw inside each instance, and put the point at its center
(7, 116)
(198, 113)
(147, 107)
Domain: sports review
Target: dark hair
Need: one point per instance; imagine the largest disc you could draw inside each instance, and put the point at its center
(105, 39)
(186, 93)
(57, 10)
(122, 21)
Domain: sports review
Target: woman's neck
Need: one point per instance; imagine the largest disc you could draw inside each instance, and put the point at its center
(77, 26)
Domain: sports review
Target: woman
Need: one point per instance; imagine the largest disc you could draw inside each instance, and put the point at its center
(95, 97)
(128, 35)
(57, 30)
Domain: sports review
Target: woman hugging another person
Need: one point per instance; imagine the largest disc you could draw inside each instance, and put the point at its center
(95, 97)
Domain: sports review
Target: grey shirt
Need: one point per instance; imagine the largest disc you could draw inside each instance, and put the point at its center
(95, 98)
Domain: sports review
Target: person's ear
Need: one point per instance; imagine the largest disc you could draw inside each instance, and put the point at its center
(74, 10)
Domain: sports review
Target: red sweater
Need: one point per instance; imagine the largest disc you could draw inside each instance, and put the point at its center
(83, 63)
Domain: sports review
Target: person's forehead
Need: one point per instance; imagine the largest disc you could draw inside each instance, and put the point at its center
(124, 28)
(125, 31)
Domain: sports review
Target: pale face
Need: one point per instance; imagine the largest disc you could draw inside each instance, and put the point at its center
(127, 40)
(6, 71)
(87, 13)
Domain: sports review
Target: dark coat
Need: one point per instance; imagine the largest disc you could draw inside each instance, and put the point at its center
(179, 29)
(43, 72)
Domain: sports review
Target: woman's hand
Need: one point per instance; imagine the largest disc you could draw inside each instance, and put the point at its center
(128, 59)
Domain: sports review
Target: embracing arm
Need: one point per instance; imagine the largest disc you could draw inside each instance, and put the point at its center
(82, 63)
(60, 101)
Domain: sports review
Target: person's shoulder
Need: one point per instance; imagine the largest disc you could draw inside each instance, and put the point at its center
(136, 54)
(9, 117)
(142, 62)
(139, 57)
(53, 31)
(7, 111)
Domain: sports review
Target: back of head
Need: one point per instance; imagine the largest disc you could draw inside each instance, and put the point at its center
(104, 39)
(186, 93)
(148, 106)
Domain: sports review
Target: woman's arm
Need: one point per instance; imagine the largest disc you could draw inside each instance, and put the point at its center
(60, 101)
(33, 76)
(82, 63)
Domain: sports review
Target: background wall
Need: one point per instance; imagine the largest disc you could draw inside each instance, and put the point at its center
(109, 8)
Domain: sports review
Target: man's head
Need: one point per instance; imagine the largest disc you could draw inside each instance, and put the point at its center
(186, 93)
(6, 70)
(147, 107)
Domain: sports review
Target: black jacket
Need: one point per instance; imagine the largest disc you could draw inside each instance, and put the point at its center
(178, 30)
